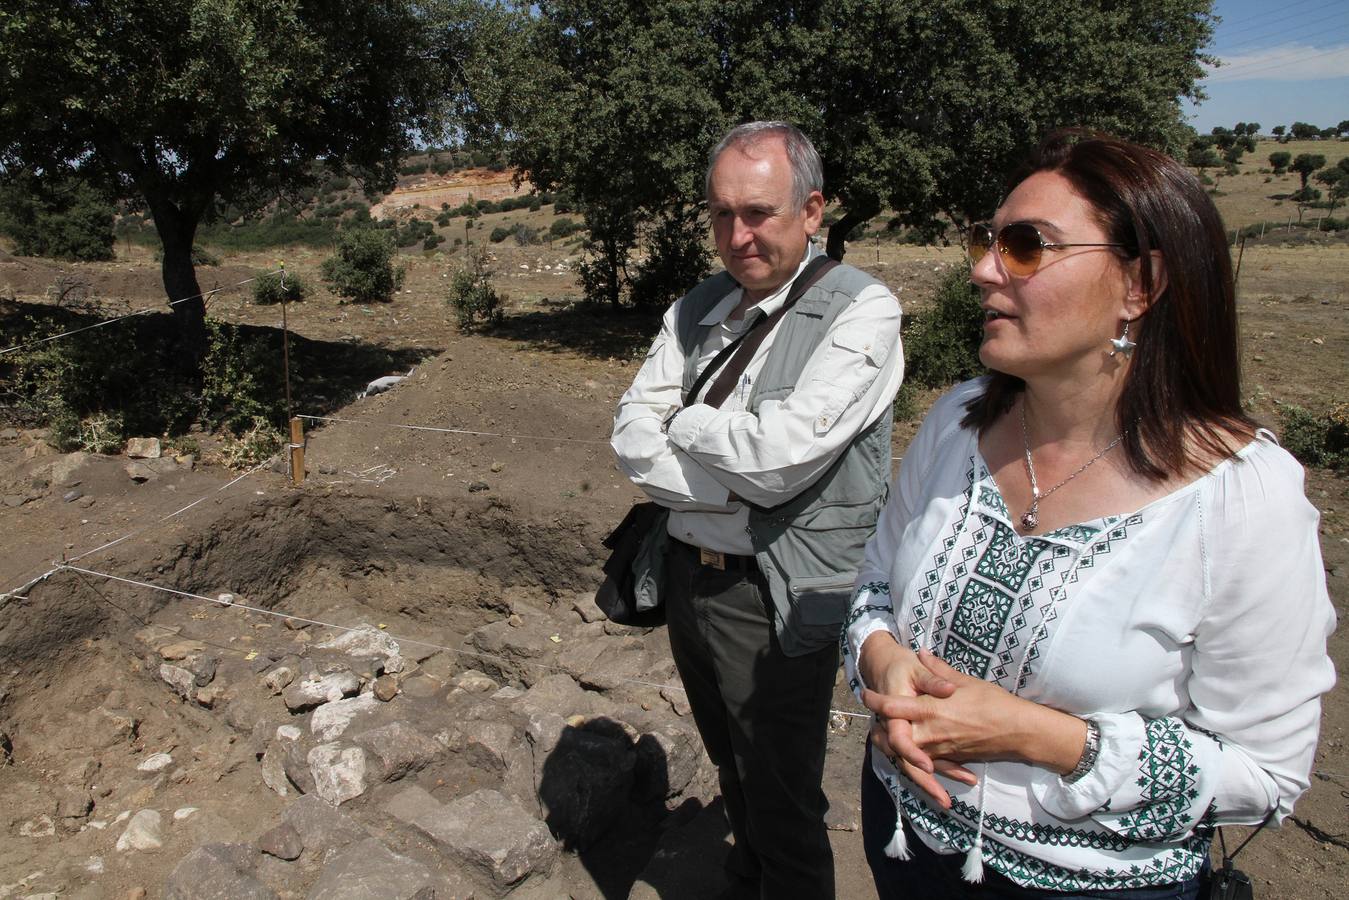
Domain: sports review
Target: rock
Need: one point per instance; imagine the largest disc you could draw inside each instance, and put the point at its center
(475, 487)
(295, 763)
(474, 682)
(74, 804)
(217, 872)
(204, 668)
(545, 730)
(369, 869)
(179, 650)
(183, 813)
(330, 720)
(400, 749)
(274, 771)
(42, 826)
(385, 688)
(364, 641)
(180, 679)
(842, 818)
(510, 653)
(210, 696)
(72, 495)
(678, 700)
(585, 784)
(144, 448)
(615, 668)
(486, 744)
(279, 678)
(339, 774)
(410, 804)
(142, 832)
(491, 833)
(667, 760)
(106, 728)
(289, 733)
(154, 764)
(422, 686)
(310, 692)
(321, 827)
(283, 842)
(585, 607)
(13, 501)
(560, 694)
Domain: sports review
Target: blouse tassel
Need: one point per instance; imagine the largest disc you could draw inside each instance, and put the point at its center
(898, 848)
(973, 870)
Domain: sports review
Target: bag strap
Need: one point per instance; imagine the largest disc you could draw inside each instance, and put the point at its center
(748, 342)
(1227, 860)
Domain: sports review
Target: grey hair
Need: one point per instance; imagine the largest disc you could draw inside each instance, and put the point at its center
(807, 170)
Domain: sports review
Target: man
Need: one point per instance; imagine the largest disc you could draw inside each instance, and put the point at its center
(772, 496)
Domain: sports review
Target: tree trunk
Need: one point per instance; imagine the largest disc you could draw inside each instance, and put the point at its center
(177, 232)
(838, 232)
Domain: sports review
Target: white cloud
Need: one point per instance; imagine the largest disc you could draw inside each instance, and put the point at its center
(1288, 62)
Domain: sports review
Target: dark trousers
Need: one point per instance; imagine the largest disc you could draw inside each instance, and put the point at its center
(763, 718)
(936, 876)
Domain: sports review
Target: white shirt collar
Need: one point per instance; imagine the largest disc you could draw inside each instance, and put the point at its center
(768, 305)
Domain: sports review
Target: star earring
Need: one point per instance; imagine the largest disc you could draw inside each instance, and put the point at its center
(1122, 344)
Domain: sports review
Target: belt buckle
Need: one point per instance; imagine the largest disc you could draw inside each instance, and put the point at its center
(714, 558)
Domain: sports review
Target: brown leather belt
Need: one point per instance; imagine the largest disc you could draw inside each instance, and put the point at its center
(725, 562)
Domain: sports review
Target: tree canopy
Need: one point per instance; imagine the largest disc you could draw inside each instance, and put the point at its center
(920, 107)
(195, 104)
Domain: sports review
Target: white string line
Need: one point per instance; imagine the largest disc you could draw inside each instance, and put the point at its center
(139, 312)
(45, 575)
(464, 431)
(401, 640)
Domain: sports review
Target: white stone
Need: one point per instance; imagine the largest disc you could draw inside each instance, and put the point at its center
(142, 832)
(94, 865)
(42, 826)
(288, 732)
(394, 664)
(184, 812)
(330, 720)
(339, 775)
(122, 817)
(155, 763)
(365, 640)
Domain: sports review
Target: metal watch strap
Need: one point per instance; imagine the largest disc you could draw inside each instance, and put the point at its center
(1090, 751)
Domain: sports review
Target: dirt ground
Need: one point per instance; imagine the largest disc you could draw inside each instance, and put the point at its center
(519, 459)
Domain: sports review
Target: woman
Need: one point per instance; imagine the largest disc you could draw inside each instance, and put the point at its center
(1092, 621)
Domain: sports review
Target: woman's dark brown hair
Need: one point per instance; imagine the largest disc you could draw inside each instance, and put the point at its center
(1182, 392)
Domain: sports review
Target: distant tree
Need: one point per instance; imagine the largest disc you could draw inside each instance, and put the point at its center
(193, 105)
(1252, 128)
(1307, 163)
(907, 102)
(1303, 131)
(1342, 129)
(1280, 160)
(1336, 180)
(1278, 132)
(1201, 155)
(62, 219)
(362, 268)
(1304, 198)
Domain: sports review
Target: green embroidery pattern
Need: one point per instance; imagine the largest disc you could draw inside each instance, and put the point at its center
(1173, 864)
(1169, 780)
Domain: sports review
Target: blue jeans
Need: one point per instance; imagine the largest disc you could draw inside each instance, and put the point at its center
(935, 876)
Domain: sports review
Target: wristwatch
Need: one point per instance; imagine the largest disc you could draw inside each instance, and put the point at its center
(1090, 751)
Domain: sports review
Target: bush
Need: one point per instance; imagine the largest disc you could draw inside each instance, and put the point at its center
(243, 381)
(941, 344)
(474, 299)
(269, 289)
(66, 220)
(362, 269)
(1317, 439)
(563, 227)
(525, 235)
(432, 241)
(500, 233)
(675, 261)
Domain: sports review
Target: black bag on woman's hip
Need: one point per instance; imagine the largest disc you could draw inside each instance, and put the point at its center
(641, 534)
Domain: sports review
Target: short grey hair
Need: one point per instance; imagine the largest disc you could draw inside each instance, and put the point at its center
(807, 170)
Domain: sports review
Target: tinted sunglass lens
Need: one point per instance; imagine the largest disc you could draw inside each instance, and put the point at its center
(980, 240)
(1021, 248)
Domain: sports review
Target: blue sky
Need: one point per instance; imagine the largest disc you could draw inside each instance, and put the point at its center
(1282, 62)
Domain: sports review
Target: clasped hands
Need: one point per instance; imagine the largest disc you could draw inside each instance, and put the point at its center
(931, 718)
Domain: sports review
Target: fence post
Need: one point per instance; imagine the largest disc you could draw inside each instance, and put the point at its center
(1236, 277)
(296, 450)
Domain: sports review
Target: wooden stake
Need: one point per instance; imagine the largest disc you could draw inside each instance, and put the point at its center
(296, 450)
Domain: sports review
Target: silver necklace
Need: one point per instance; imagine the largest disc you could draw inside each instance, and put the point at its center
(1031, 518)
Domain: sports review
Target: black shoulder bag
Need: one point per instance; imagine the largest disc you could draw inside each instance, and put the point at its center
(616, 596)
(1229, 882)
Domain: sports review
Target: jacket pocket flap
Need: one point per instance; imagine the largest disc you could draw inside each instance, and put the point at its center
(822, 599)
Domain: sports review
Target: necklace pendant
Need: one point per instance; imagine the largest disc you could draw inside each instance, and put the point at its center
(1029, 520)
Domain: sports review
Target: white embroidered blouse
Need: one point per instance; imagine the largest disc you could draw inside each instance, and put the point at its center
(1192, 630)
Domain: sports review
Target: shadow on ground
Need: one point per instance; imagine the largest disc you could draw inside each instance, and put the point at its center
(593, 330)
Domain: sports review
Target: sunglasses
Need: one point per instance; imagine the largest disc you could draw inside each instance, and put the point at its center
(1020, 245)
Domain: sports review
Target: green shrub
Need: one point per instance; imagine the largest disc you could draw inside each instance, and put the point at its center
(941, 344)
(243, 380)
(253, 445)
(269, 289)
(500, 233)
(474, 299)
(563, 227)
(525, 234)
(362, 268)
(676, 259)
(1317, 438)
(66, 220)
(432, 241)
